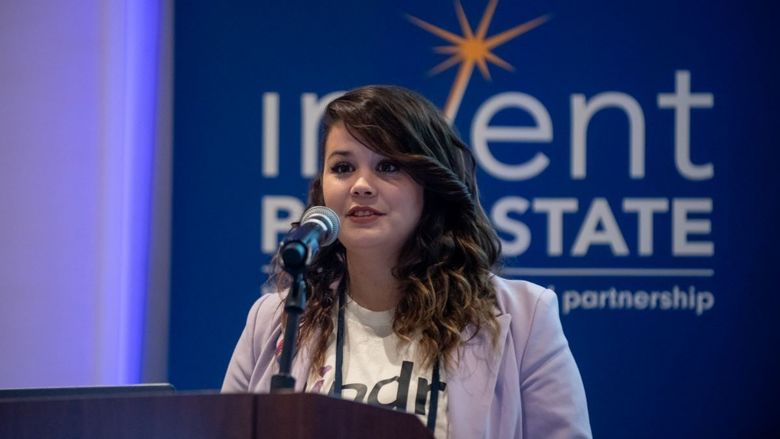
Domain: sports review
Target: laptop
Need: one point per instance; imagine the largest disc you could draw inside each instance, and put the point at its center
(45, 392)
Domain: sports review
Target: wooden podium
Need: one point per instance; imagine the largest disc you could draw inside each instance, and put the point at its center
(196, 416)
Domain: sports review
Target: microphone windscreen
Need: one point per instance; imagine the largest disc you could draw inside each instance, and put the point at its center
(328, 218)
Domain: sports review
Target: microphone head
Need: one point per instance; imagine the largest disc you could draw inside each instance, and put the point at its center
(327, 218)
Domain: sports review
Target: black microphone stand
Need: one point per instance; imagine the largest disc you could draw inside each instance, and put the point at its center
(294, 259)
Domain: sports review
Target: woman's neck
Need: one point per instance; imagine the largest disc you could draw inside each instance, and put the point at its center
(371, 281)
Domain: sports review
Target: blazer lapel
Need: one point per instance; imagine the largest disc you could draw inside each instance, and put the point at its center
(472, 385)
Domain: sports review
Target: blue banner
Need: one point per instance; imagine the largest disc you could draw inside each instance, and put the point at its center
(625, 156)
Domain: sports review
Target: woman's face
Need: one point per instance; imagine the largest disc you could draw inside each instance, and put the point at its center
(379, 204)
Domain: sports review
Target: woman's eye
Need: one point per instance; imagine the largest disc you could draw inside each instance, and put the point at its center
(341, 168)
(387, 167)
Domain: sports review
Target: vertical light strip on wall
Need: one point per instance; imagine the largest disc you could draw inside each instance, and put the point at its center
(143, 32)
(131, 47)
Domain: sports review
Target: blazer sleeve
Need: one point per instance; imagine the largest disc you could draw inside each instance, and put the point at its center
(242, 363)
(553, 396)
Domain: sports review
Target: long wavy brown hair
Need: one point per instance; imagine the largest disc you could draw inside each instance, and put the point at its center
(444, 268)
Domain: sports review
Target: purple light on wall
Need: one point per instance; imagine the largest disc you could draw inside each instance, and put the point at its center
(132, 53)
(143, 42)
(79, 125)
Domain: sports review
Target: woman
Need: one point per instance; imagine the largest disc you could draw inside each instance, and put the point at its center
(404, 310)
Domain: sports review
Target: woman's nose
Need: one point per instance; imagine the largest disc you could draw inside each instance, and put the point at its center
(363, 188)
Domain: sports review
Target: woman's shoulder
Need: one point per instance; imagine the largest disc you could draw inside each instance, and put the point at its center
(521, 297)
(266, 311)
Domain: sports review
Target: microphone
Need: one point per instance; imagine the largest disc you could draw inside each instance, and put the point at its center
(319, 227)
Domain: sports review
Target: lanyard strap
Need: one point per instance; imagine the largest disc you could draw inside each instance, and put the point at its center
(434, 406)
(338, 373)
(338, 377)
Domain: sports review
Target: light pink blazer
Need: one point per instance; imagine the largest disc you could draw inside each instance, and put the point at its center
(529, 387)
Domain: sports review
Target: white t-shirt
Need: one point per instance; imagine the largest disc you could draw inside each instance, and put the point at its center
(381, 369)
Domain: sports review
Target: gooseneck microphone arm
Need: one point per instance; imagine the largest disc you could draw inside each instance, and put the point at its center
(319, 226)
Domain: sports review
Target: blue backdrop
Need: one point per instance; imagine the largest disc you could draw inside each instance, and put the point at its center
(626, 159)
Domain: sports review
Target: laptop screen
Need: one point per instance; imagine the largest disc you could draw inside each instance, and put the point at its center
(43, 392)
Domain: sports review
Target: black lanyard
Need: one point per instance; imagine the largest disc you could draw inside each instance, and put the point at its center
(338, 375)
